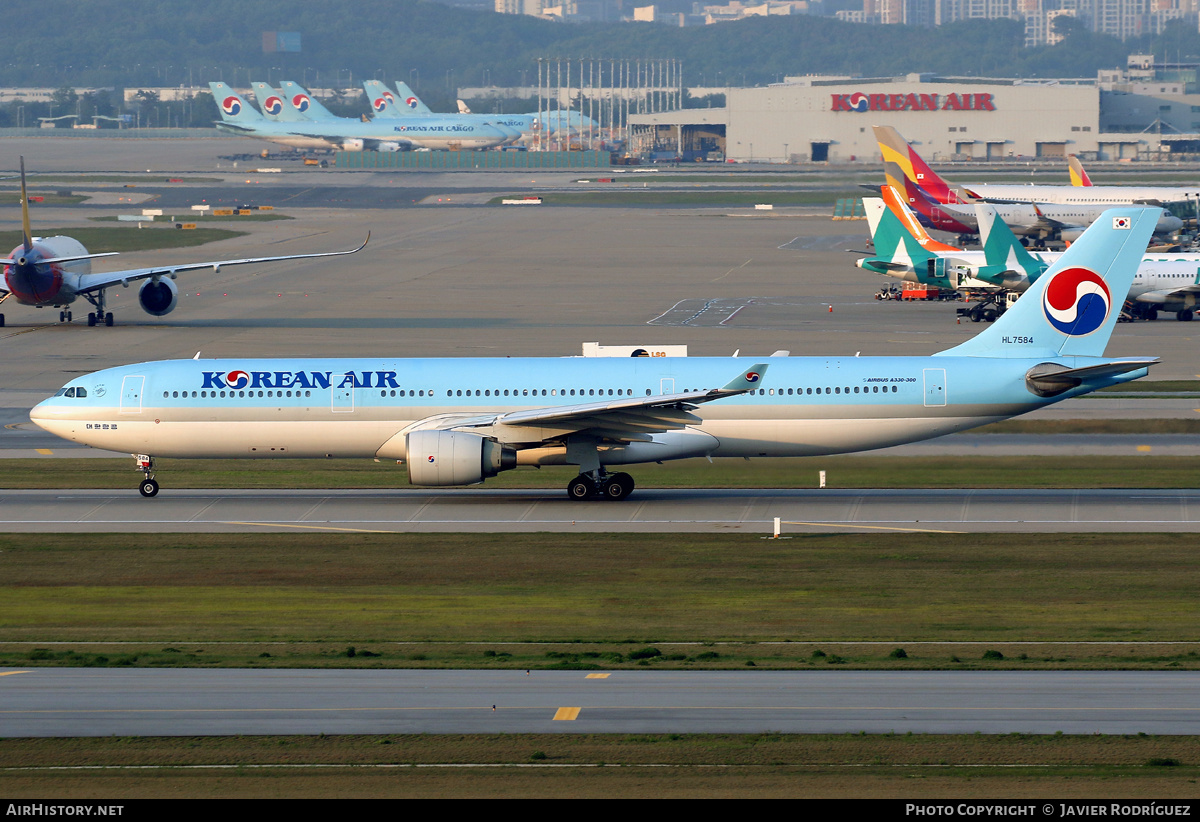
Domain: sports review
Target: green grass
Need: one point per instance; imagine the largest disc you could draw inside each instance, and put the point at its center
(612, 594)
(1141, 471)
(129, 238)
(1153, 387)
(652, 766)
(13, 198)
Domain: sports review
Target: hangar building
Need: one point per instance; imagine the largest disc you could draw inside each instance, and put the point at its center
(829, 119)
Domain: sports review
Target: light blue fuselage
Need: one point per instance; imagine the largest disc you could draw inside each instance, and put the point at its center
(362, 407)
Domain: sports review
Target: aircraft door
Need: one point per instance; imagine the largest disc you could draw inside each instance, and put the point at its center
(341, 399)
(131, 394)
(935, 387)
(666, 385)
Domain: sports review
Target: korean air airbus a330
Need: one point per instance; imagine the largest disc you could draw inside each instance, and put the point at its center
(459, 421)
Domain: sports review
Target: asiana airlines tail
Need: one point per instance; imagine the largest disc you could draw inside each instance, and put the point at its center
(460, 421)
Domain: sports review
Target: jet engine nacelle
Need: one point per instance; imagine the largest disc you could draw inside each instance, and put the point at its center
(387, 147)
(1070, 235)
(352, 144)
(455, 458)
(158, 297)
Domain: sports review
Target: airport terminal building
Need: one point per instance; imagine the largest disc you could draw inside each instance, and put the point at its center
(829, 119)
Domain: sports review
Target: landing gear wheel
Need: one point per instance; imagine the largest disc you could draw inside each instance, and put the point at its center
(62, 316)
(1, 320)
(580, 488)
(149, 488)
(91, 320)
(1151, 314)
(108, 319)
(1184, 316)
(69, 317)
(618, 487)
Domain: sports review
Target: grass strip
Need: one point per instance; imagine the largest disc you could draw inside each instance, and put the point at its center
(374, 590)
(657, 766)
(13, 198)
(130, 238)
(1140, 471)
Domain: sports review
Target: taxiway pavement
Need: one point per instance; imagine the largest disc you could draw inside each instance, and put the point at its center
(106, 702)
(649, 510)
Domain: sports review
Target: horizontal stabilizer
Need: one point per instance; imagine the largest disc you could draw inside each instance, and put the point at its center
(1051, 379)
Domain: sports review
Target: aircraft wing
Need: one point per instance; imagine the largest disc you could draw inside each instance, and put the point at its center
(94, 282)
(1168, 295)
(627, 420)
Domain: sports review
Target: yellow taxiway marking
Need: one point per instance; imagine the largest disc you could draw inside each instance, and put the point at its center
(45, 451)
(1145, 449)
(312, 527)
(567, 713)
(730, 271)
(597, 676)
(10, 673)
(871, 527)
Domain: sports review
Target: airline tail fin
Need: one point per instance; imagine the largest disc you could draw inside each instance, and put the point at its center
(382, 99)
(1072, 309)
(897, 206)
(462, 108)
(1007, 263)
(26, 231)
(274, 105)
(305, 103)
(410, 100)
(897, 252)
(896, 150)
(232, 107)
(1079, 177)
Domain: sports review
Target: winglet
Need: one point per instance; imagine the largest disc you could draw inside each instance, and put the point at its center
(748, 380)
(28, 232)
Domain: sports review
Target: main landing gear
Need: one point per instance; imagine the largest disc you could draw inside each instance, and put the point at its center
(599, 485)
(64, 316)
(99, 315)
(148, 486)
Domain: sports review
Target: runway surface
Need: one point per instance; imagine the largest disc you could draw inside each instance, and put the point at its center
(102, 702)
(649, 510)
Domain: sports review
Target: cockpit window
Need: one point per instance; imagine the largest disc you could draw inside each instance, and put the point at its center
(81, 392)
(70, 392)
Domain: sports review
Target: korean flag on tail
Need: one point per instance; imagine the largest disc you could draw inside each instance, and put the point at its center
(1122, 222)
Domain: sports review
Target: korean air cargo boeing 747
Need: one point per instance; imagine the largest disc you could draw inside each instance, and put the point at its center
(460, 421)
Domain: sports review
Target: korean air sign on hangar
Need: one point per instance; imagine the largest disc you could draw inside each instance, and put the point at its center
(860, 102)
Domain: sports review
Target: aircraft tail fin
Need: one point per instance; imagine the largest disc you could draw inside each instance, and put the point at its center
(410, 100)
(232, 107)
(1079, 177)
(896, 150)
(305, 103)
(462, 108)
(271, 103)
(897, 252)
(1007, 262)
(1072, 309)
(897, 206)
(26, 231)
(383, 100)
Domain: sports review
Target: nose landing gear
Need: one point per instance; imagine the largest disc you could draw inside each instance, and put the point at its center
(148, 486)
